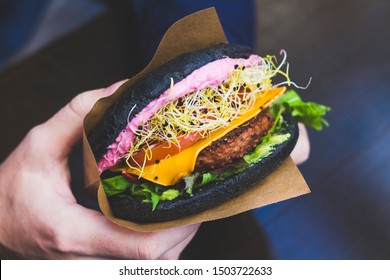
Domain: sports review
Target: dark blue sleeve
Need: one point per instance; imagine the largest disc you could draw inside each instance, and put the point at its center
(154, 17)
(17, 21)
(151, 18)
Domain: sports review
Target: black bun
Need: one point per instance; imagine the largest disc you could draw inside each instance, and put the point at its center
(213, 194)
(150, 87)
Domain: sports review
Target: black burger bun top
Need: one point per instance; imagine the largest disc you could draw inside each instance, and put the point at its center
(150, 87)
(212, 194)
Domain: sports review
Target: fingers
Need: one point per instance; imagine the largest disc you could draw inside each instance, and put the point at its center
(301, 151)
(174, 253)
(166, 244)
(64, 129)
(99, 237)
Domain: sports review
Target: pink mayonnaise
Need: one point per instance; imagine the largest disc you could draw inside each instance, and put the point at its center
(211, 74)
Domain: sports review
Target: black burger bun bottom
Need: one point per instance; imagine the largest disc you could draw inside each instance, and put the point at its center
(211, 195)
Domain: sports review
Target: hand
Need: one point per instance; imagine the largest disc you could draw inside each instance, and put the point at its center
(301, 151)
(40, 217)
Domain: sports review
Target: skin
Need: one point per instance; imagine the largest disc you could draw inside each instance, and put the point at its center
(301, 151)
(27, 224)
(35, 183)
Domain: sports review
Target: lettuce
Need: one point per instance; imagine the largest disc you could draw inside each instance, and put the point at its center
(266, 147)
(145, 192)
(309, 113)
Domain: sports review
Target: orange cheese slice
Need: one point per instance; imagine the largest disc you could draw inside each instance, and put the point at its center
(168, 171)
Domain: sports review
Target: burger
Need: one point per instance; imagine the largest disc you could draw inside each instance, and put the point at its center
(196, 132)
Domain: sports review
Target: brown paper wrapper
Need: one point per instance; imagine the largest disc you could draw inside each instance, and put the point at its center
(197, 31)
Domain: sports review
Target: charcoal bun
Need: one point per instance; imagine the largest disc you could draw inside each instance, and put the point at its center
(212, 194)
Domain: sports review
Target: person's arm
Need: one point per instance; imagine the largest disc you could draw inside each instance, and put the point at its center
(39, 216)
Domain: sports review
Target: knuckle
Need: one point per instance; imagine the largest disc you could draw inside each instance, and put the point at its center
(50, 240)
(33, 142)
(80, 104)
(33, 147)
(76, 104)
(143, 251)
(147, 248)
(34, 136)
(171, 255)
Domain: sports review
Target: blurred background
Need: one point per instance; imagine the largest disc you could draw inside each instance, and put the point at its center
(53, 50)
(343, 45)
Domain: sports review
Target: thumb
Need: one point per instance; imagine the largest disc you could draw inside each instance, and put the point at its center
(64, 129)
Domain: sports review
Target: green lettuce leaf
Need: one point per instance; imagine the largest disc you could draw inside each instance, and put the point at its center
(309, 113)
(115, 185)
(145, 192)
(266, 147)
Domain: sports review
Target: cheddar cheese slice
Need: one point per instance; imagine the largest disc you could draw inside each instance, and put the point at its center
(168, 171)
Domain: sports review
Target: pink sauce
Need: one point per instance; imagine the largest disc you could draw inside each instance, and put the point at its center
(211, 74)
